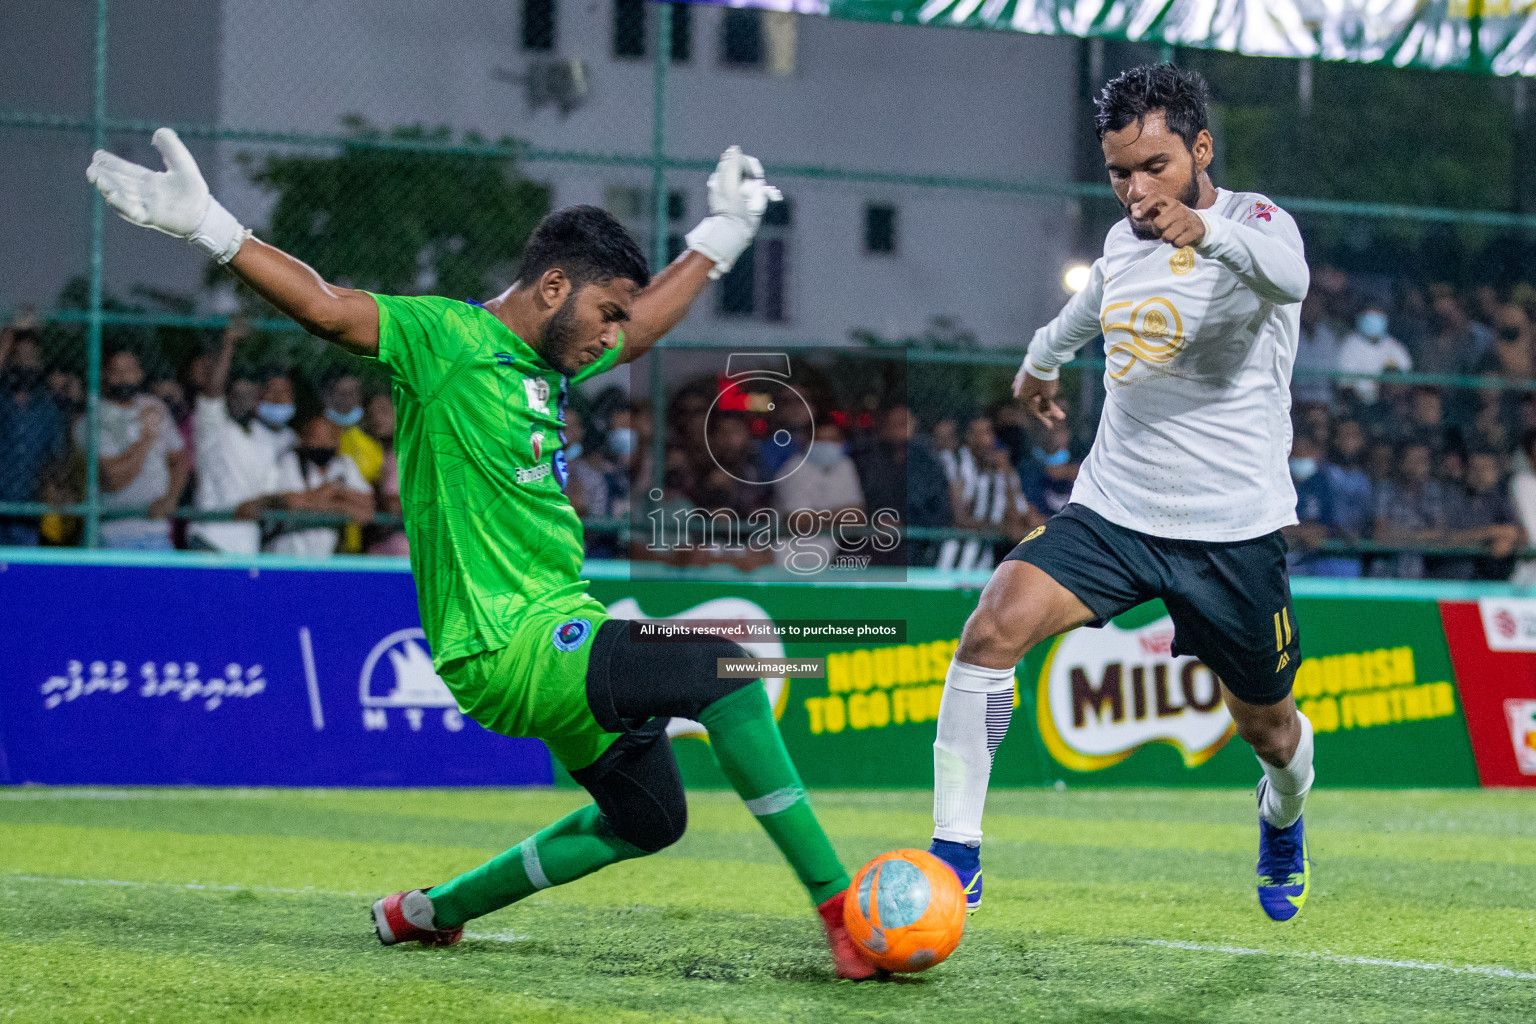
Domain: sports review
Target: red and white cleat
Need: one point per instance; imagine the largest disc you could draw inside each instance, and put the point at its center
(392, 921)
(845, 955)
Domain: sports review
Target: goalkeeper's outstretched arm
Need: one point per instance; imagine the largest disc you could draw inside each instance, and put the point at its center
(738, 197)
(346, 316)
(176, 201)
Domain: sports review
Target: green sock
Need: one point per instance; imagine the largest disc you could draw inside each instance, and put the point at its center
(576, 845)
(746, 742)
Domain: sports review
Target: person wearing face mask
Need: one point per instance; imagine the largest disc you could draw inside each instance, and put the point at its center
(143, 460)
(343, 393)
(587, 486)
(1049, 470)
(240, 427)
(314, 477)
(827, 483)
(31, 429)
(1316, 514)
(1370, 349)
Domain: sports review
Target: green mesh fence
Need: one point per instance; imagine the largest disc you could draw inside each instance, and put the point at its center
(388, 197)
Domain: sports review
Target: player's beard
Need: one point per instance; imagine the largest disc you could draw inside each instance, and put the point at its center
(1189, 195)
(558, 337)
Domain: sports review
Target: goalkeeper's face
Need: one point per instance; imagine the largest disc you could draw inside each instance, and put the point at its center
(586, 324)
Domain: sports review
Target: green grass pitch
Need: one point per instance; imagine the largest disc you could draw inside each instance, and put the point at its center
(1132, 905)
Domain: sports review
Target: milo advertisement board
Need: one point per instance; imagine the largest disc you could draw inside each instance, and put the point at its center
(1108, 706)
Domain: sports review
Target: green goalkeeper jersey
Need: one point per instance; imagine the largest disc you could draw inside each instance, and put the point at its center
(482, 474)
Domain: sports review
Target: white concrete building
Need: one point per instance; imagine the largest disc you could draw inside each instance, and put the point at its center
(822, 92)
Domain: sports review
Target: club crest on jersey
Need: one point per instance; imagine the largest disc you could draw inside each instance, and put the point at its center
(1151, 332)
(536, 442)
(1261, 211)
(1183, 261)
(571, 634)
(537, 389)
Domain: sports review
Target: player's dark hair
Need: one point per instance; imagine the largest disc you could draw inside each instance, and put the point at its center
(1181, 95)
(586, 242)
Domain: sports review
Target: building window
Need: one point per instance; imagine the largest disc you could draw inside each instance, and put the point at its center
(539, 25)
(632, 34)
(880, 228)
(758, 285)
(682, 33)
(629, 28)
(631, 204)
(741, 43)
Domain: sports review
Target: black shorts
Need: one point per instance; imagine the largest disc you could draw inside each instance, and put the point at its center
(1230, 601)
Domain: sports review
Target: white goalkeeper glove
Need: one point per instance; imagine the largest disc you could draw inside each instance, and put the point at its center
(738, 197)
(175, 201)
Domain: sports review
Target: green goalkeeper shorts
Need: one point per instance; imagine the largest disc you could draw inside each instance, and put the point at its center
(537, 684)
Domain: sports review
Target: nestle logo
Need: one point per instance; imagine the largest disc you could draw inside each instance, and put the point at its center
(1157, 643)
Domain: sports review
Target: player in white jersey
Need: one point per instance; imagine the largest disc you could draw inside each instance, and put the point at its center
(1183, 495)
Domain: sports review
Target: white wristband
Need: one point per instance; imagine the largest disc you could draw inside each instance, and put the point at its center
(219, 235)
(722, 238)
(1208, 241)
(1034, 369)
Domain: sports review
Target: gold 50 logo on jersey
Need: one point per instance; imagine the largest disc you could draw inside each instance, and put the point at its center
(1150, 331)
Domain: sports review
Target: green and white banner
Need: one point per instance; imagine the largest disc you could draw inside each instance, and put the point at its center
(1484, 36)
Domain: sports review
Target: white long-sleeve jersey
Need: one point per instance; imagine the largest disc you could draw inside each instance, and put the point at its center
(1199, 344)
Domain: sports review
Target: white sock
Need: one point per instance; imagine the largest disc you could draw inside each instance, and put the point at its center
(1283, 791)
(973, 716)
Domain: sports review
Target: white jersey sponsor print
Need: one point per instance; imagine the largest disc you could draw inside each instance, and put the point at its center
(1199, 344)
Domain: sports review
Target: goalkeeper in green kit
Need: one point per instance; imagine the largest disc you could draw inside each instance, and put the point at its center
(496, 548)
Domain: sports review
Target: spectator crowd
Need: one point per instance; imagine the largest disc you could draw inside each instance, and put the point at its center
(1382, 465)
(211, 459)
(1394, 478)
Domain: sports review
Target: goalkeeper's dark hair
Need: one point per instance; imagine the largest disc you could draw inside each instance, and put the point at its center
(586, 242)
(1181, 95)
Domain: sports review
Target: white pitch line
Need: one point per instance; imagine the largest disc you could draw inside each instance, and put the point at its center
(510, 936)
(198, 886)
(1336, 958)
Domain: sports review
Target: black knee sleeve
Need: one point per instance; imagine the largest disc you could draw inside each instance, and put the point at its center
(638, 789)
(629, 682)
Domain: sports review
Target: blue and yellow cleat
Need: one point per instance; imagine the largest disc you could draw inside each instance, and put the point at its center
(965, 862)
(1285, 870)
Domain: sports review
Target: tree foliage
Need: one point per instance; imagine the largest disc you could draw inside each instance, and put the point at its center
(390, 218)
